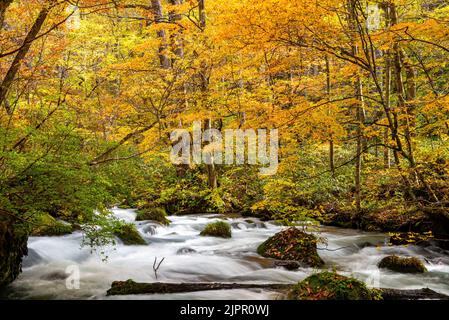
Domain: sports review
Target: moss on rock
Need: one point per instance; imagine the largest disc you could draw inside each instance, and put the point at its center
(13, 246)
(292, 244)
(46, 225)
(128, 233)
(217, 229)
(155, 214)
(404, 265)
(330, 286)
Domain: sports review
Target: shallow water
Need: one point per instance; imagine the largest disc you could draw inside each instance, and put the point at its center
(192, 258)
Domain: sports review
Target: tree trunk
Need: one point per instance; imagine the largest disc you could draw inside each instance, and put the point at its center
(4, 4)
(210, 168)
(15, 66)
(161, 34)
(331, 139)
(359, 112)
(392, 113)
(204, 85)
(386, 149)
(387, 88)
(400, 90)
(176, 39)
(359, 151)
(407, 108)
(202, 12)
(177, 48)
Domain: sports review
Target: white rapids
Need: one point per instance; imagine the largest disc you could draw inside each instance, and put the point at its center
(193, 258)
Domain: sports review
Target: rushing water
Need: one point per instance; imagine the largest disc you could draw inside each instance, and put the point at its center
(192, 258)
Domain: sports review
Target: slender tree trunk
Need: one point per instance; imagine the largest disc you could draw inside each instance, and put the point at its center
(4, 4)
(407, 108)
(178, 50)
(387, 88)
(202, 13)
(359, 112)
(331, 138)
(176, 38)
(210, 168)
(15, 65)
(386, 150)
(400, 89)
(359, 147)
(161, 34)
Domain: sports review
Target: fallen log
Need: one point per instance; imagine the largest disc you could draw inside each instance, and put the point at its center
(417, 294)
(131, 287)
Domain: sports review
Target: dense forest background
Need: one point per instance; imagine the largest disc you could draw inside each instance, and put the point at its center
(91, 90)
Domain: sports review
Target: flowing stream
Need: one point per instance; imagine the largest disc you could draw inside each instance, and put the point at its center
(193, 258)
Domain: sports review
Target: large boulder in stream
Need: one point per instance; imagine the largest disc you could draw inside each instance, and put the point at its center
(154, 214)
(294, 245)
(45, 225)
(404, 265)
(128, 233)
(331, 286)
(217, 229)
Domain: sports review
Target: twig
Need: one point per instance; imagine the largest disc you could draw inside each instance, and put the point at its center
(154, 265)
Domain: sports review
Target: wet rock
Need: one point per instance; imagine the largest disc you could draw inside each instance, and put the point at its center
(401, 264)
(31, 259)
(368, 244)
(154, 214)
(261, 225)
(217, 229)
(56, 275)
(128, 233)
(330, 286)
(46, 225)
(239, 225)
(289, 264)
(149, 229)
(185, 251)
(292, 244)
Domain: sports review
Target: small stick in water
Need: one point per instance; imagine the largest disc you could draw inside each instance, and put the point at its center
(154, 265)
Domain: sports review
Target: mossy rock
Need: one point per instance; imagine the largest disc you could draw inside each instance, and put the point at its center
(128, 233)
(124, 206)
(292, 244)
(155, 214)
(13, 246)
(404, 265)
(217, 229)
(45, 225)
(330, 286)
